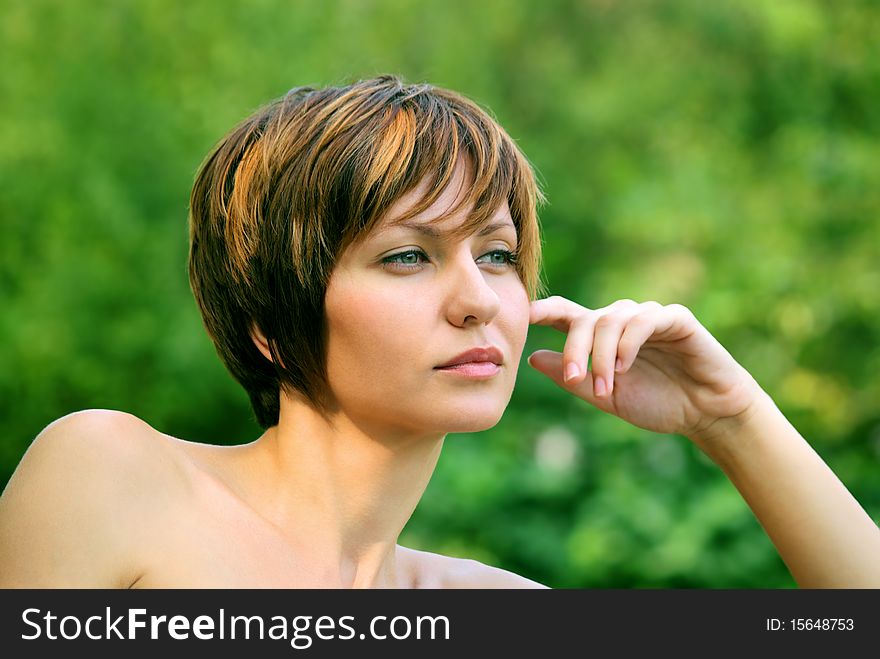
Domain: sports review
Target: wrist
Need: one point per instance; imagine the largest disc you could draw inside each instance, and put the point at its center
(721, 439)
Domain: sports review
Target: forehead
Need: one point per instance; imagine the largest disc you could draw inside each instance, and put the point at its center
(446, 226)
(445, 215)
(439, 232)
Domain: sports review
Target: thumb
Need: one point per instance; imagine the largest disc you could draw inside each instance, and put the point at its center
(549, 362)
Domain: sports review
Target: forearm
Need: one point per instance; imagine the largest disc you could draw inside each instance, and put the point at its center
(823, 535)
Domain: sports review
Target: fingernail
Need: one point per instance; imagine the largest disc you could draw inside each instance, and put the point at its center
(571, 371)
(619, 365)
(599, 386)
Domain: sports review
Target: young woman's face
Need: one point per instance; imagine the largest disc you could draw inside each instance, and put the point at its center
(400, 303)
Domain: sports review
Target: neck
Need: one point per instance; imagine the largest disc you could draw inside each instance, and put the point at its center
(341, 491)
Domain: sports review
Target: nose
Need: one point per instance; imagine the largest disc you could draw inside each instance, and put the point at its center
(471, 298)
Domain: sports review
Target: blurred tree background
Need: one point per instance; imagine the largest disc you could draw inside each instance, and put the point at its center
(724, 155)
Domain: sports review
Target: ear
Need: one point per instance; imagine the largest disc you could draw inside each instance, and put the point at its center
(260, 341)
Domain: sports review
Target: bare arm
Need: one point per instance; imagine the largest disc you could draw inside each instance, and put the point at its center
(658, 368)
(823, 535)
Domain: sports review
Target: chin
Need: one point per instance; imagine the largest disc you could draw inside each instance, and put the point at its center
(473, 427)
(473, 420)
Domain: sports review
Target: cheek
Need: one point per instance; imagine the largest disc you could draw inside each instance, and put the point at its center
(365, 324)
(518, 306)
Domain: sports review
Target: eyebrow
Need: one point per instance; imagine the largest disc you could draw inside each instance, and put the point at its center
(428, 230)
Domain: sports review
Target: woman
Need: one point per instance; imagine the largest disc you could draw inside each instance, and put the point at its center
(366, 262)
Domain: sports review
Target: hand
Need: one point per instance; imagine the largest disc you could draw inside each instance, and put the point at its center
(654, 366)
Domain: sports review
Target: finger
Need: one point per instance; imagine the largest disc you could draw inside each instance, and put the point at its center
(549, 362)
(638, 330)
(576, 352)
(559, 312)
(606, 336)
(579, 323)
(556, 312)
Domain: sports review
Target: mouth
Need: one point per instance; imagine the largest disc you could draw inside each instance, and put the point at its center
(488, 355)
(472, 370)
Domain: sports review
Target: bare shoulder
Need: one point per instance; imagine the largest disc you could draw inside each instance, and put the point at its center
(74, 512)
(104, 447)
(439, 571)
(469, 573)
(115, 434)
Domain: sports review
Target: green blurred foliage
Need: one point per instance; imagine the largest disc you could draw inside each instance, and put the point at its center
(723, 155)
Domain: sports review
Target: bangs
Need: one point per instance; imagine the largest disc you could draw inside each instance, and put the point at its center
(287, 190)
(423, 134)
(425, 138)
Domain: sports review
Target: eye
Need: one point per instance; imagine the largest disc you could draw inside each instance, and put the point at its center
(411, 259)
(408, 260)
(507, 257)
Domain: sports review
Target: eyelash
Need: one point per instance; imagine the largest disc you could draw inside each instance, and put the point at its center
(509, 259)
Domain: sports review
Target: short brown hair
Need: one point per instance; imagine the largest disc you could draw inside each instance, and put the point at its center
(288, 189)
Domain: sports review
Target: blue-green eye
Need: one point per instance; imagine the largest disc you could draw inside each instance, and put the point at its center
(410, 259)
(506, 257)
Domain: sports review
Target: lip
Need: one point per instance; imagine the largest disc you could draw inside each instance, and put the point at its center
(472, 370)
(490, 354)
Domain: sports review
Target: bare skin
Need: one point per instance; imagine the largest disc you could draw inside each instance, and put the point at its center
(101, 499)
(76, 515)
(661, 370)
